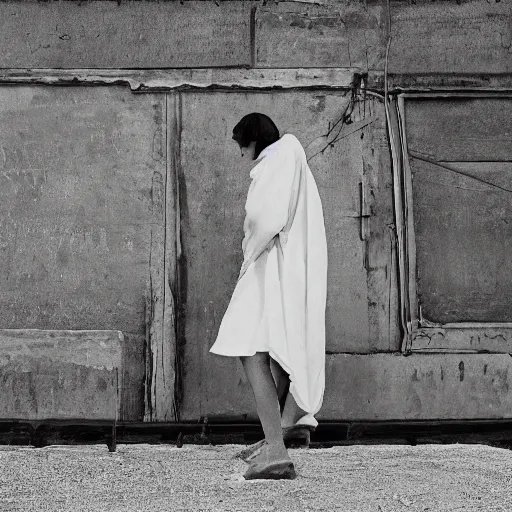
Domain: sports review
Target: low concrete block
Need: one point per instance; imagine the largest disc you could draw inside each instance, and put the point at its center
(419, 386)
(59, 374)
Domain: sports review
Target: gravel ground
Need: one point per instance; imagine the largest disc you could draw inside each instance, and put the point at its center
(377, 478)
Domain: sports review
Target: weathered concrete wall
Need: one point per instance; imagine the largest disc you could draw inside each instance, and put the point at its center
(105, 34)
(420, 386)
(60, 374)
(397, 387)
(80, 169)
(442, 37)
(474, 337)
(462, 221)
(83, 172)
(299, 35)
(451, 37)
(427, 37)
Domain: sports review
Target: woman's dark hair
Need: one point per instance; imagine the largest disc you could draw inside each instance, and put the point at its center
(257, 127)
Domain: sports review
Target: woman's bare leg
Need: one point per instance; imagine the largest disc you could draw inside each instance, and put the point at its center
(257, 369)
(291, 412)
(282, 380)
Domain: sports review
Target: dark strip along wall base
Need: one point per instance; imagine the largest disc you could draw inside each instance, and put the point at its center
(52, 432)
(497, 432)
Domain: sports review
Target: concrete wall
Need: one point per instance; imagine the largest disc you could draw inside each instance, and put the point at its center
(84, 172)
(106, 34)
(80, 170)
(471, 37)
(462, 221)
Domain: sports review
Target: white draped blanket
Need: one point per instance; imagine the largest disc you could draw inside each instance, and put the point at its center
(278, 305)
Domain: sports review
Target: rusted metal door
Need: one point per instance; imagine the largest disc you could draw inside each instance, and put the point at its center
(356, 196)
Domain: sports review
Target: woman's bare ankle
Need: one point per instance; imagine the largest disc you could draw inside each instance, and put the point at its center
(277, 450)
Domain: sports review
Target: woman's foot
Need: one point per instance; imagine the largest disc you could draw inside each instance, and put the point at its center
(248, 453)
(282, 470)
(297, 436)
(270, 453)
(293, 415)
(272, 462)
(294, 436)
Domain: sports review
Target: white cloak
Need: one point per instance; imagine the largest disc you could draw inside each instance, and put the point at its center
(278, 305)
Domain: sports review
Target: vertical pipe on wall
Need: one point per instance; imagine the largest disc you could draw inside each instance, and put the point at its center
(398, 190)
(399, 221)
(410, 239)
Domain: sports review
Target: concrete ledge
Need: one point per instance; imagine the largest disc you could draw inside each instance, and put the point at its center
(59, 374)
(188, 79)
(381, 387)
(441, 82)
(478, 339)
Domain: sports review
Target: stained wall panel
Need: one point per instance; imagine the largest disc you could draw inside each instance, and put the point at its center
(461, 130)
(465, 38)
(417, 387)
(291, 35)
(60, 374)
(104, 34)
(468, 38)
(77, 167)
(213, 192)
(462, 225)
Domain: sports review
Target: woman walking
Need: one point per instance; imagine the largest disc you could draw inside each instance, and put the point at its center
(275, 321)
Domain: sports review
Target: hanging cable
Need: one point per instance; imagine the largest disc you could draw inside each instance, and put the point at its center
(418, 156)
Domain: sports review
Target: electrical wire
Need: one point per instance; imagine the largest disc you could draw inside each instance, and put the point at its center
(418, 156)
